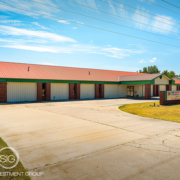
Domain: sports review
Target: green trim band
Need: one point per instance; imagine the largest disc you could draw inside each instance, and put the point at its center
(56, 81)
(82, 82)
(136, 82)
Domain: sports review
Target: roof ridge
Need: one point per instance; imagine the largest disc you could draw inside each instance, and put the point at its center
(67, 67)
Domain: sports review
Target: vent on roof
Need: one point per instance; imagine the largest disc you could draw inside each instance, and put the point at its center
(160, 77)
(89, 73)
(28, 68)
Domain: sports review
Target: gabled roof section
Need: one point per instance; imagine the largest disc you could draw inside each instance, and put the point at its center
(140, 77)
(177, 81)
(44, 72)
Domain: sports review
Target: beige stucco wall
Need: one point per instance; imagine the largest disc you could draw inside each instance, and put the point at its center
(174, 88)
(164, 80)
(21, 92)
(138, 90)
(151, 90)
(162, 88)
(59, 91)
(87, 91)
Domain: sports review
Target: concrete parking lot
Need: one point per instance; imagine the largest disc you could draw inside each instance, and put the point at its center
(91, 140)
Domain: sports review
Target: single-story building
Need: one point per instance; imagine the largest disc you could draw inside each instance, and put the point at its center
(30, 82)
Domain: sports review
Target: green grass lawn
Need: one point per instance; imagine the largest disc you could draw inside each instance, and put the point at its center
(19, 168)
(169, 113)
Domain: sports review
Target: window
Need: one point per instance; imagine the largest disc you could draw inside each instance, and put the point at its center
(99, 90)
(74, 90)
(43, 89)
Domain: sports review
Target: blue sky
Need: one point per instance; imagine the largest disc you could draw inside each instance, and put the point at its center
(26, 37)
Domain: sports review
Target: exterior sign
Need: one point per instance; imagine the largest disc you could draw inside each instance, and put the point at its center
(173, 95)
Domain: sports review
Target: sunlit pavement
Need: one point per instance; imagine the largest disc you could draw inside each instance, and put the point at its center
(91, 140)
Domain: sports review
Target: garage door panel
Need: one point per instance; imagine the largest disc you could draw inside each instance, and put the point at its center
(87, 91)
(21, 92)
(59, 91)
(110, 91)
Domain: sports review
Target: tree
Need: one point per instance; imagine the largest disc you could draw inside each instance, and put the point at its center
(150, 69)
(165, 72)
(171, 74)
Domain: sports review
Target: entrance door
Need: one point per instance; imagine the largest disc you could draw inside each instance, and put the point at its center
(75, 91)
(130, 91)
(43, 91)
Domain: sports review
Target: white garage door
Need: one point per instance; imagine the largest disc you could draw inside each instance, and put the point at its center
(87, 91)
(59, 91)
(110, 91)
(174, 88)
(162, 87)
(21, 92)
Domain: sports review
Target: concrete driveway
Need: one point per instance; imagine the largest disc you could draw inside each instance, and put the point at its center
(91, 140)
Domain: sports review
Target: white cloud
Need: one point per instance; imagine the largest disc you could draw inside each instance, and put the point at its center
(7, 30)
(10, 21)
(141, 19)
(74, 27)
(120, 53)
(37, 24)
(112, 9)
(64, 21)
(76, 48)
(5, 40)
(90, 3)
(153, 59)
(28, 5)
(142, 61)
(164, 24)
(32, 48)
(159, 23)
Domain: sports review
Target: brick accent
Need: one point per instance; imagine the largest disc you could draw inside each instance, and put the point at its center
(71, 88)
(147, 91)
(97, 95)
(48, 91)
(102, 91)
(96, 91)
(162, 98)
(39, 91)
(169, 87)
(163, 102)
(3, 92)
(78, 91)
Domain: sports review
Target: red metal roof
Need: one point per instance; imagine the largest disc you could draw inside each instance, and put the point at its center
(140, 77)
(20, 71)
(176, 81)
